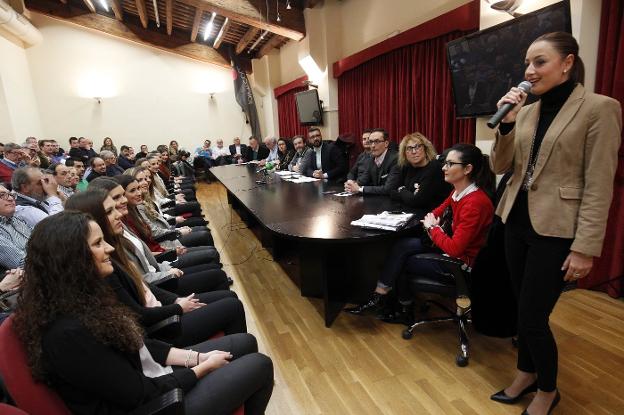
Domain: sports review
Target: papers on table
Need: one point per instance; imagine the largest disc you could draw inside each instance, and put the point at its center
(301, 179)
(385, 220)
(287, 173)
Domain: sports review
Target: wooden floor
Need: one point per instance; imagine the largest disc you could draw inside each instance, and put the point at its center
(363, 366)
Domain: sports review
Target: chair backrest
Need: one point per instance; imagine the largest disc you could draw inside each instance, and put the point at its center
(33, 397)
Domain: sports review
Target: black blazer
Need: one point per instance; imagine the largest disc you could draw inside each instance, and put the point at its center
(93, 378)
(429, 180)
(332, 160)
(127, 293)
(233, 149)
(377, 180)
(248, 154)
(358, 168)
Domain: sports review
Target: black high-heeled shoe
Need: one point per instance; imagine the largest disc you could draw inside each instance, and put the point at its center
(502, 397)
(375, 302)
(552, 405)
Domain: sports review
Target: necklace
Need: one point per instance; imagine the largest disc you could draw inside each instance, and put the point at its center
(528, 176)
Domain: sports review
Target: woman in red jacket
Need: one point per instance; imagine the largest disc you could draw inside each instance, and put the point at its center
(468, 170)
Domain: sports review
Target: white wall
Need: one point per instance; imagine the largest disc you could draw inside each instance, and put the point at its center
(148, 96)
(19, 117)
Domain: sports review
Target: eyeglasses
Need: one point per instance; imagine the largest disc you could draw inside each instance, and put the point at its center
(7, 195)
(450, 164)
(314, 135)
(375, 142)
(414, 148)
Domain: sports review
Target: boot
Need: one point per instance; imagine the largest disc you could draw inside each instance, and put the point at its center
(375, 302)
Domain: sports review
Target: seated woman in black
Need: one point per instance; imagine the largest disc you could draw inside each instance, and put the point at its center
(468, 170)
(284, 154)
(418, 175)
(202, 314)
(86, 345)
(194, 279)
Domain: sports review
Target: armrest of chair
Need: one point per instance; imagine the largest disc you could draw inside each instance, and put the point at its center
(171, 221)
(169, 255)
(167, 236)
(169, 283)
(168, 204)
(167, 328)
(457, 269)
(169, 403)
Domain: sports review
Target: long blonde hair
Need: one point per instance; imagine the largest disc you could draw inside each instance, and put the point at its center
(418, 138)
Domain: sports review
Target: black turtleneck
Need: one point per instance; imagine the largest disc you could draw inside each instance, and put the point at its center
(550, 104)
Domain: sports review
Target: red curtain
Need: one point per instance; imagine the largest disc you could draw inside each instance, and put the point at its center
(288, 119)
(403, 91)
(608, 270)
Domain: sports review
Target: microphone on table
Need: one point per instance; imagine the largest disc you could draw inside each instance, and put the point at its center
(268, 166)
(504, 110)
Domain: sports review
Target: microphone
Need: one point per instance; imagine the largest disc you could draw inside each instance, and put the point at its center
(268, 166)
(504, 110)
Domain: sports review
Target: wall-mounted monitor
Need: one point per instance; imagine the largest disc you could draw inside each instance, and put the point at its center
(309, 107)
(486, 64)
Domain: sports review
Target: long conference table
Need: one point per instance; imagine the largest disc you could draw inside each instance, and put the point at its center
(337, 261)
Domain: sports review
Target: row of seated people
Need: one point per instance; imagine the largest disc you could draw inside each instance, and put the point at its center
(96, 271)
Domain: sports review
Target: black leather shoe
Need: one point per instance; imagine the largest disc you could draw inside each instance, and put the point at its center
(552, 405)
(502, 397)
(230, 281)
(405, 315)
(372, 304)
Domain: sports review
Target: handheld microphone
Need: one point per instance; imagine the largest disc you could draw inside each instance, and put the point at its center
(504, 110)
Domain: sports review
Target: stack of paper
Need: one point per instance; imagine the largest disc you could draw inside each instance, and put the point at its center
(301, 179)
(385, 220)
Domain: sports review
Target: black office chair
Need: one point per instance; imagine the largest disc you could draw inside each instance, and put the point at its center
(454, 283)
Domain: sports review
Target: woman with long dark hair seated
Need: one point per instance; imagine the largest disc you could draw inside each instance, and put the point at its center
(418, 175)
(87, 346)
(468, 170)
(187, 257)
(202, 314)
(284, 154)
(195, 279)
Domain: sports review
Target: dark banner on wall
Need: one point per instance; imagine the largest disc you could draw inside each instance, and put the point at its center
(244, 95)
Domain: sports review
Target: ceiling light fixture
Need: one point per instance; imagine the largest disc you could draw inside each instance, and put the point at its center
(279, 19)
(288, 6)
(208, 28)
(104, 4)
(258, 41)
(155, 12)
(221, 31)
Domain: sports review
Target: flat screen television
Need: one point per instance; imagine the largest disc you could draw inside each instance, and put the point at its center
(309, 107)
(486, 64)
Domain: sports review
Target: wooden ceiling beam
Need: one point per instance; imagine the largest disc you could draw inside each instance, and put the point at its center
(247, 37)
(117, 9)
(196, 23)
(269, 46)
(131, 30)
(248, 12)
(90, 5)
(222, 33)
(169, 16)
(142, 9)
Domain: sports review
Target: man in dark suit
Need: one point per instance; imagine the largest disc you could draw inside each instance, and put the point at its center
(237, 150)
(325, 161)
(255, 151)
(374, 180)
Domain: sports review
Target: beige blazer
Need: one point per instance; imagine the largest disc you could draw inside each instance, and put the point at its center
(573, 179)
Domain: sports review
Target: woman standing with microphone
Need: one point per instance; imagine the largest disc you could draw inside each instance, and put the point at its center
(563, 153)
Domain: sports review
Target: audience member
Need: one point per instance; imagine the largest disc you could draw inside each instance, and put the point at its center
(108, 145)
(141, 154)
(58, 154)
(110, 160)
(13, 157)
(220, 154)
(98, 168)
(14, 233)
(124, 161)
(79, 165)
(376, 173)
(67, 339)
(418, 177)
(360, 163)
(237, 150)
(73, 143)
(36, 195)
(45, 153)
(61, 175)
(173, 150)
(83, 151)
(254, 151)
(326, 160)
(285, 154)
(271, 144)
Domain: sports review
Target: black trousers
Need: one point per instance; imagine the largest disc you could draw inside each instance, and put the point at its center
(247, 379)
(201, 282)
(535, 267)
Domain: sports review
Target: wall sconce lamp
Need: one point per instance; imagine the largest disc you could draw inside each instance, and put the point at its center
(98, 99)
(211, 95)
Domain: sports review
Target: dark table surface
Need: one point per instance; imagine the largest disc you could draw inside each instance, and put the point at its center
(305, 210)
